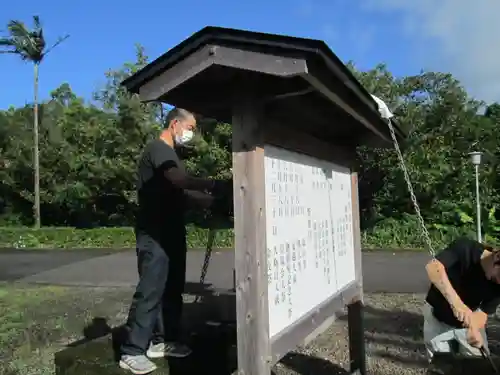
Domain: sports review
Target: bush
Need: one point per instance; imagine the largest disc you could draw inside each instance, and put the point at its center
(407, 234)
(387, 234)
(65, 238)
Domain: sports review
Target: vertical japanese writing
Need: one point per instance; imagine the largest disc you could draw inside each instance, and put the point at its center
(289, 278)
(270, 263)
(282, 273)
(309, 230)
(317, 252)
(304, 254)
(276, 271)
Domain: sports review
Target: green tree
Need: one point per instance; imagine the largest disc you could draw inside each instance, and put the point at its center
(30, 45)
(89, 151)
(443, 125)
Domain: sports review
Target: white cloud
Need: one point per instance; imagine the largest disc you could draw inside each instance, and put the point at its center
(465, 37)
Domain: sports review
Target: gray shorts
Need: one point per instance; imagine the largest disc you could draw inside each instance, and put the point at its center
(440, 337)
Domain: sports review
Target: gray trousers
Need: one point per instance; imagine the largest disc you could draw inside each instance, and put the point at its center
(438, 337)
(156, 309)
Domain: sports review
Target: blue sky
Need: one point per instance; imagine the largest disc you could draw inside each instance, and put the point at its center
(103, 33)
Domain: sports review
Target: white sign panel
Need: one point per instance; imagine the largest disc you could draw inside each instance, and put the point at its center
(310, 243)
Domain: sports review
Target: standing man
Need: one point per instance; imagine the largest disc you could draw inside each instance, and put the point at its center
(154, 321)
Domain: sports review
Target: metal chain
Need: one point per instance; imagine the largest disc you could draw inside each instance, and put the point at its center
(425, 232)
(208, 255)
(206, 261)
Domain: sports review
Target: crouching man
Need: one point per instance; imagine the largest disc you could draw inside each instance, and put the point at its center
(464, 290)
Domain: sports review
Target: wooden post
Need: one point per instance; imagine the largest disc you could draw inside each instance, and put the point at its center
(250, 238)
(356, 338)
(355, 308)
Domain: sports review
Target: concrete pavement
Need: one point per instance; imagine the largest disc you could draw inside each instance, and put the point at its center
(383, 271)
(16, 264)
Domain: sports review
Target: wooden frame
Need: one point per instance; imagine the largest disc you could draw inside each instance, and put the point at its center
(254, 73)
(250, 239)
(213, 54)
(256, 351)
(169, 77)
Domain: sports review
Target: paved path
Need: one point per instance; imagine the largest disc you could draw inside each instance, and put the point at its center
(16, 264)
(401, 272)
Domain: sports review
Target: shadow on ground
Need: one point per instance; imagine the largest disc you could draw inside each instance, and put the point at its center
(311, 365)
(214, 348)
(98, 351)
(213, 344)
(392, 335)
(399, 333)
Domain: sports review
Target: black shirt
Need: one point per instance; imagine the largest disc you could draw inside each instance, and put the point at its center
(462, 261)
(161, 204)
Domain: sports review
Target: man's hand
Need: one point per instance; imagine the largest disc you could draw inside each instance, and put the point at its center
(479, 319)
(222, 188)
(223, 198)
(474, 338)
(222, 206)
(462, 313)
(205, 201)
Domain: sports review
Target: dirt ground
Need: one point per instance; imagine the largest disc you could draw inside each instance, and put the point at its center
(394, 345)
(38, 321)
(393, 341)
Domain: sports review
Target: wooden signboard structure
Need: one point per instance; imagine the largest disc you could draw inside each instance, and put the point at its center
(297, 115)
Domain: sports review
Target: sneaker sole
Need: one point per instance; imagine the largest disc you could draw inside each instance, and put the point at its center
(156, 355)
(124, 366)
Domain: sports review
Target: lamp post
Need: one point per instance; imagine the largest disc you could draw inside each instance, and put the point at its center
(475, 158)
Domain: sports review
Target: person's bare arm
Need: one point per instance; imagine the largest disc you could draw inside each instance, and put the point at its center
(439, 278)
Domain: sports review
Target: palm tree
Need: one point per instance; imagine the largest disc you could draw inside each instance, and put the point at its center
(30, 46)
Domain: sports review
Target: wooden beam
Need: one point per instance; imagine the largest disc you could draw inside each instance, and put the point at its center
(317, 321)
(177, 74)
(210, 55)
(357, 353)
(356, 330)
(250, 239)
(333, 97)
(356, 230)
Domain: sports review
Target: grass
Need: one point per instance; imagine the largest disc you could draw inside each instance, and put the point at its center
(37, 321)
(114, 238)
(16, 305)
(20, 334)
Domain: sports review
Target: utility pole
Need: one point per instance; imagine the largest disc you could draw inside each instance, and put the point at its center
(476, 157)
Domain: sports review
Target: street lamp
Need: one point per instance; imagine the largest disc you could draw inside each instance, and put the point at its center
(475, 158)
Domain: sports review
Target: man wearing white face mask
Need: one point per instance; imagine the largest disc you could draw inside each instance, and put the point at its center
(164, 189)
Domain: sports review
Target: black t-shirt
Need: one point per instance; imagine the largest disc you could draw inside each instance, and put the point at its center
(462, 261)
(161, 204)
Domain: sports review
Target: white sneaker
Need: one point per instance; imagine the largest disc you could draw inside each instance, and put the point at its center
(137, 364)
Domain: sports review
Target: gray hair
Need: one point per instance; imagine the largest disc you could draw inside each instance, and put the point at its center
(177, 114)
